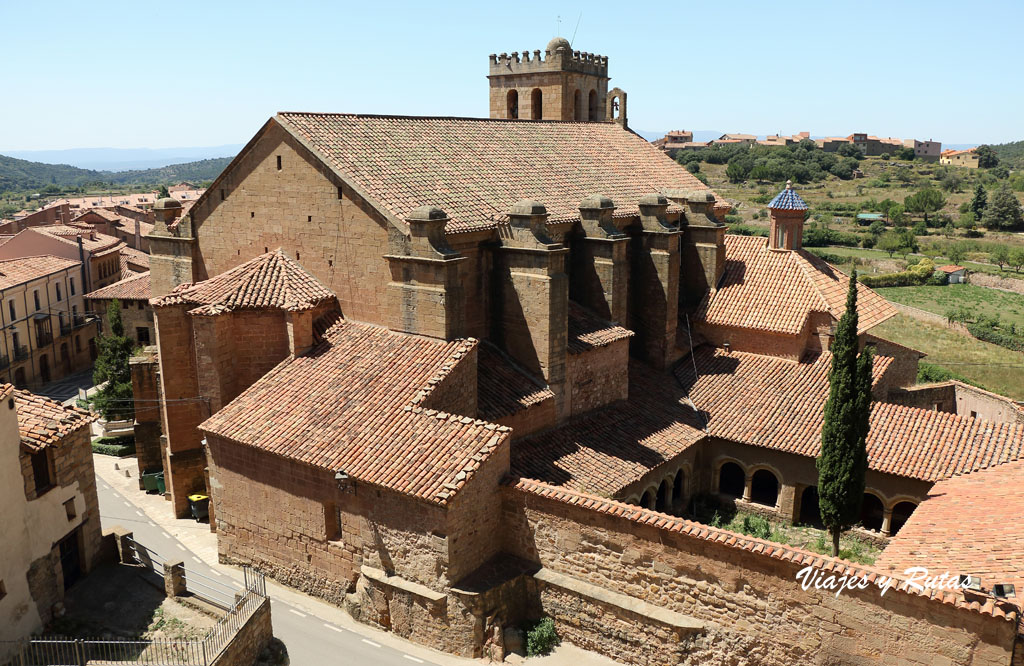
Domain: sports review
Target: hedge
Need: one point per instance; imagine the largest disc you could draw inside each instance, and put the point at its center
(114, 446)
(996, 336)
(916, 275)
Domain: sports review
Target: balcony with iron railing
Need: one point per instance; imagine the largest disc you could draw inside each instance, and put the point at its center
(4, 361)
(43, 338)
(20, 353)
(65, 327)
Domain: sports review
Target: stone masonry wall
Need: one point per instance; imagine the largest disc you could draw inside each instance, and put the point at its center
(754, 609)
(281, 516)
(247, 644)
(598, 377)
(456, 393)
(336, 237)
(474, 517)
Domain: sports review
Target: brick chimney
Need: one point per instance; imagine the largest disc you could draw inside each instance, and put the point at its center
(786, 230)
(532, 298)
(171, 248)
(600, 261)
(425, 296)
(654, 282)
(702, 247)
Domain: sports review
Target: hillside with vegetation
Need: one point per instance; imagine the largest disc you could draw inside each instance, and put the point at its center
(895, 218)
(18, 176)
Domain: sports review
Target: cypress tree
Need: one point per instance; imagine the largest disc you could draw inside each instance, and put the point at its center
(842, 463)
(115, 400)
(979, 201)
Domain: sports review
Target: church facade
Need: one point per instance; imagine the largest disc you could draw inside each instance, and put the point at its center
(453, 374)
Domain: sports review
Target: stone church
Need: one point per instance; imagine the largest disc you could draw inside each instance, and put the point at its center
(454, 374)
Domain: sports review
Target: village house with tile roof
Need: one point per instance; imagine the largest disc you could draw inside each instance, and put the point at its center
(50, 520)
(452, 373)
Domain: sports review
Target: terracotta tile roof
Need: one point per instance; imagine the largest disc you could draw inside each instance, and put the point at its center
(108, 215)
(776, 291)
(950, 268)
(588, 331)
(503, 388)
(43, 422)
(605, 450)
(351, 404)
(775, 403)
(135, 287)
(476, 169)
(271, 280)
(769, 549)
(92, 240)
(19, 271)
(966, 527)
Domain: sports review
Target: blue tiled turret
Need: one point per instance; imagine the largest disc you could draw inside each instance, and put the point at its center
(788, 199)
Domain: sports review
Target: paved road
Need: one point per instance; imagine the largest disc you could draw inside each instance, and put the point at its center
(310, 640)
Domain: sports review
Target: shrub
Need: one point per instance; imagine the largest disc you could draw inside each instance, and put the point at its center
(996, 336)
(114, 446)
(757, 527)
(541, 638)
(762, 198)
(938, 280)
(915, 275)
(867, 242)
(733, 219)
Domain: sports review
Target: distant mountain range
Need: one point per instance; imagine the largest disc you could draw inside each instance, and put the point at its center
(18, 174)
(122, 159)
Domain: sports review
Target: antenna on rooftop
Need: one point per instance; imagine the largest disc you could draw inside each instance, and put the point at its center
(575, 29)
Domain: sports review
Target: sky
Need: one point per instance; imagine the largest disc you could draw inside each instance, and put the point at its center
(155, 75)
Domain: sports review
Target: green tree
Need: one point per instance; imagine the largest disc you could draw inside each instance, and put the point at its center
(1000, 255)
(952, 182)
(1017, 259)
(843, 461)
(978, 203)
(877, 228)
(956, 253)
(163, 192)
(905, 154)
(850, 150)
(890, 242)
(926, 200)
(115, 399)
(737, 171)
(1004, 210)
(987, 157)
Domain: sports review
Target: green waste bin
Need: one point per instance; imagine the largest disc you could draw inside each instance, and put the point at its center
(149, 481)
(161, 487)
(200, 505)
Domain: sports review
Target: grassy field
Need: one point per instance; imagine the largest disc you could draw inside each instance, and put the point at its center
(990, 366)
(874, 186)
(978, 300)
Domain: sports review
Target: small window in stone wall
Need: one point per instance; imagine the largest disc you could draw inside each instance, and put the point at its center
(3, 590)
(69, 509)
(332, 521)
(278, 162)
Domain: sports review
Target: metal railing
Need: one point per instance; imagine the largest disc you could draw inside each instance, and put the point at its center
(4, 361)
(240, 605)
(21, 352)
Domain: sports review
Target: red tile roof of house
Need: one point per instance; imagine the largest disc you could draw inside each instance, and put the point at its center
(777, 290)
(771, 402)
(503, 388)
(43, 422)
(967, 526)
(588, 331)
(477, 168)
(950, 268)
(136, 287)
(352, 404)
(271, 280)
(605, 450)
(93, 241)
(768, 549)
(19, 271)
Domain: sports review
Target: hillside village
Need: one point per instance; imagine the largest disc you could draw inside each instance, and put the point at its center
(574, 387)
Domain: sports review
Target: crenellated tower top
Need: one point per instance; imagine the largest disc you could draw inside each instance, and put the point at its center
(557, 83)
